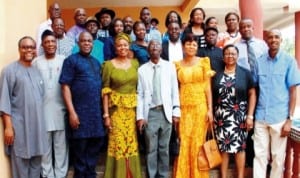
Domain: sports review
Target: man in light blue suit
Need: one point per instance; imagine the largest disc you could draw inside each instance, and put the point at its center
(157, 108)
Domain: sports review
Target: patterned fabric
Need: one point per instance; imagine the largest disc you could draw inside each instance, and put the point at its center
(120, 85)
(230, 117)
(193, 125)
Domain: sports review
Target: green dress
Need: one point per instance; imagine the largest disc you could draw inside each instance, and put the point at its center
(122, 155)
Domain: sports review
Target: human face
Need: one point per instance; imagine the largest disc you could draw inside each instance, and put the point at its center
(213, 23)
(49, 46)
(128, 24)
(58, 27)
(85, 43)
(190, 48)
(54, 11)
(230, 56)
(246, 29)
(232, 23)
(140, 31)
(118, 26)
(105, 20)
(145, 16)
(211, 37)
(154, 50)
(122, 47)
(173, 17)
(174, 32)
(198, 17)
(273, 40)
(27, 50)
(80, 17)
(92, 27)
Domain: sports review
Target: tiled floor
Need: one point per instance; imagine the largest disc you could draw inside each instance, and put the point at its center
(213, 173)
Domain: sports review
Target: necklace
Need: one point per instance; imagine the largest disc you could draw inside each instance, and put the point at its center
(234, 35)
(229, 71)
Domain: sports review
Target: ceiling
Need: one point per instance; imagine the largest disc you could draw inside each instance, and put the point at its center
(276, 13)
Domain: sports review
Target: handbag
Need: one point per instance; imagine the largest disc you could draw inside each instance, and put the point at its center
(209, 155)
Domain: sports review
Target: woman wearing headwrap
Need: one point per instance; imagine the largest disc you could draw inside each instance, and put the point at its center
(119, 77)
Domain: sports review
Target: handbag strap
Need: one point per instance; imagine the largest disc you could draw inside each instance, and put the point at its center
(212, 131)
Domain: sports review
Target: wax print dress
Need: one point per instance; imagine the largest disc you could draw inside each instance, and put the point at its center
(122, 154)
(193, 125)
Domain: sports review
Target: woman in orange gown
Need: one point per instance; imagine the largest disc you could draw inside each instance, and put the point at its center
(194, 74)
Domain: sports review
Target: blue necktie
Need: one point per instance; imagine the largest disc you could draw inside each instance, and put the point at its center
(251, 58)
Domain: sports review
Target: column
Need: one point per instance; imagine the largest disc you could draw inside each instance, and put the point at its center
(297, 37)
(253, 10)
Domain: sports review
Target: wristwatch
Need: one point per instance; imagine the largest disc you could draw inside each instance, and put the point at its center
(290, 117)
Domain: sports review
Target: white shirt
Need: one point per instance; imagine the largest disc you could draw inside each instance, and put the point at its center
(175, 51)
(53, 102)
(169, 90)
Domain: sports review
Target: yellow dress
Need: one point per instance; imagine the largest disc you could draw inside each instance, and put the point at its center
(193, 125)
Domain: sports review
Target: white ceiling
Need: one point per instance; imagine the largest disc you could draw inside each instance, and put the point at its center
(276, 13)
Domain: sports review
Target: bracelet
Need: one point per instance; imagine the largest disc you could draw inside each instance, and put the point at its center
(250, 116)
(105, 115)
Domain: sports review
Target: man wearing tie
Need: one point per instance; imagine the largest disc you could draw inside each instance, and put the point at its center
(157, 108)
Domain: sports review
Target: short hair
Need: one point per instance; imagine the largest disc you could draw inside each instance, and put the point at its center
(189, 37)
(232, 13)
(47, 33)
(136, 23)
(230, 46)
(144, 8)
(23, 38)
(209, 29)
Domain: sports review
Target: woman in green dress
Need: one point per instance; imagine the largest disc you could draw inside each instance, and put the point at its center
(119, 77)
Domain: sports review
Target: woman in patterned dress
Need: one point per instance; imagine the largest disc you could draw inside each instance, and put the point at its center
(119, 77)
(234, 102)
(194, 74)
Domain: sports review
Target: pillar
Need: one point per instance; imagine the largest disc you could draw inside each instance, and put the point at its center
(253, 10)
(297, 37)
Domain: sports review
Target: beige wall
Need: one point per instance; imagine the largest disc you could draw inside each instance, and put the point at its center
(18, 18)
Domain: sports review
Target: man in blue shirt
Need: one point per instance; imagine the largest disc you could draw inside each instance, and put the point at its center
(81, 86)
(278, 78)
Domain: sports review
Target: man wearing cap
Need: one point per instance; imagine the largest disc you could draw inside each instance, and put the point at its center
(64, 43)
(92, 26)
(104, 17)
(214, 53)
(55, 161)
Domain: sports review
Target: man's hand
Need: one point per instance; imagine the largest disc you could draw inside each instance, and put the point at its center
(286, 128)
(176, 123)
(141, 125)
(9, 136)
(74, 121)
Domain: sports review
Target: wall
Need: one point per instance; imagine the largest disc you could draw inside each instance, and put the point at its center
(18, 18)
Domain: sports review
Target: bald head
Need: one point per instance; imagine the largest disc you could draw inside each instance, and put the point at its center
(54, 11)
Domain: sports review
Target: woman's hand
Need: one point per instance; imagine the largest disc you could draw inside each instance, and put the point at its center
(107, 123)
(249, 123)
(209, 117)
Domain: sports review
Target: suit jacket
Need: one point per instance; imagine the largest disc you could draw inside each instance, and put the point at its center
(169, 90)
(165, 51)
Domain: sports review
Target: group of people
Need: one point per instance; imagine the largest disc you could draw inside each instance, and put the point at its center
(118, 77)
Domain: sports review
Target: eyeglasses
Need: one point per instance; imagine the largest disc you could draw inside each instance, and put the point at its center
(28, 47)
